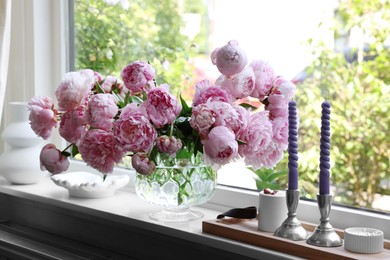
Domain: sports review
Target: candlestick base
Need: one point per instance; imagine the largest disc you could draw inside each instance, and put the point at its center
(325, 238)
(291, 227)
(325, 235)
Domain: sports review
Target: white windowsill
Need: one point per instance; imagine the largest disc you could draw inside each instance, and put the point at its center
(127, 208)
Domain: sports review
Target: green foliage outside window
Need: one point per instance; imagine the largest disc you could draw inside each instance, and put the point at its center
(108, 37)
(358, 89)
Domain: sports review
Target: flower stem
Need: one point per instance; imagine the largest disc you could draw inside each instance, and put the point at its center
(171, 130)
(66, 148)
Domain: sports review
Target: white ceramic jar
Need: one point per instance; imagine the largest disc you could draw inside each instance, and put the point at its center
(272, 210)
(19, 164)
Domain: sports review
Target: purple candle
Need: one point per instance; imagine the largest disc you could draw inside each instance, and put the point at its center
(325, 149)
(292, 146)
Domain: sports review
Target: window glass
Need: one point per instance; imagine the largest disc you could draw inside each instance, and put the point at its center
(333, 50)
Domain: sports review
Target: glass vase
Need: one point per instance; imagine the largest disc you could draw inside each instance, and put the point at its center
(176, 188)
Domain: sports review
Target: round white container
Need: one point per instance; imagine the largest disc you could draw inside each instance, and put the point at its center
(363, 240)
(272, 210)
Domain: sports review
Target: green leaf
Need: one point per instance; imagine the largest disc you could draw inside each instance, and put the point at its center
(127, 99)
(198, 148)
(121, 102)
(248, 106)
(183, 154)
(65, 153)
(269, 178)
(99, 88)
(182, 119)
(144, 96)
(240, 141)
(153, 154)
(135, 99)
(185, 110)
(75, 150)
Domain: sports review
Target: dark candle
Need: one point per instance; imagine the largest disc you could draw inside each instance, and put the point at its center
(292, 146)
(325, 149)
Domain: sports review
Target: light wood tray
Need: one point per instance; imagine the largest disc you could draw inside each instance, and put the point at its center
(246, 231)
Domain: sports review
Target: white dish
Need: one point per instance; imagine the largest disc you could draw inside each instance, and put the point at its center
(363, 240)
(90, 185)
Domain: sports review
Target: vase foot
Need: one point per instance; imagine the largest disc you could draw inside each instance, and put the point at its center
(167, 215)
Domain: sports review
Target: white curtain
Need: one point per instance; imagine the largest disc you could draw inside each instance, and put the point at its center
(5, 39)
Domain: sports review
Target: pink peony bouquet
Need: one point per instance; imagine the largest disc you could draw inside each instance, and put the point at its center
(107, 119)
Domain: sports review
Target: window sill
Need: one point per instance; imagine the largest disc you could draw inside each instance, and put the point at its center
(124, 217)
(119, 224)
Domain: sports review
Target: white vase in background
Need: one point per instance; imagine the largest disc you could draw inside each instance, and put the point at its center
(20, 163)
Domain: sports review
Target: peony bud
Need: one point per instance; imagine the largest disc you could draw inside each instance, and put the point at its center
(142, 164)
(229, 59)
(53, 160)
(168, 144)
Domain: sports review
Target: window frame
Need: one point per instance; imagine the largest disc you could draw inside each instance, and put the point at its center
(54, 62)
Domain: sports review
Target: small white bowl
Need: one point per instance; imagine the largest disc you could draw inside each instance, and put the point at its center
(90, 185)
(363, 240)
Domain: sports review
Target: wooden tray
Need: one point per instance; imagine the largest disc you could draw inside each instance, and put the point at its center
(246, 231)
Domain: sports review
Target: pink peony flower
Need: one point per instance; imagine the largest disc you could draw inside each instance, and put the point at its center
(134, 131)
(243, 117)
(142, 164)
(96, 75)
(220, 147)
(229, 59)
(264, 75)
(52, 160)
(267, 159)
(42, 116)
(205, 93)
(280, 132)
(168, 144)
(72, 124)
(257, 137)
(100, 150)
(110, 83)
(283, 87)
(101, 110)
(241, 85)
(42, 102)
(232, 116)
(161, 106)
(278, 106)
(137, 75)
(202, 119)
(74, 89)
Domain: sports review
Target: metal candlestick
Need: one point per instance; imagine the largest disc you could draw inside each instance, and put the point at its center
(324, 235)
(291, 227)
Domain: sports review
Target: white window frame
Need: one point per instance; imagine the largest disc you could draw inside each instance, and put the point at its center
(44, 53)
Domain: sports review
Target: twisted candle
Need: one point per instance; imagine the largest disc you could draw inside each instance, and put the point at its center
(325, 149)
(292, 146)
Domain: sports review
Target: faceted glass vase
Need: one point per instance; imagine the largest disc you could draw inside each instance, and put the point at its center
(177, 188)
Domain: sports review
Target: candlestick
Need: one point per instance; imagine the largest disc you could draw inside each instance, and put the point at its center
(292, 146)
(324, 234)
(325, 149)
(291, 228)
